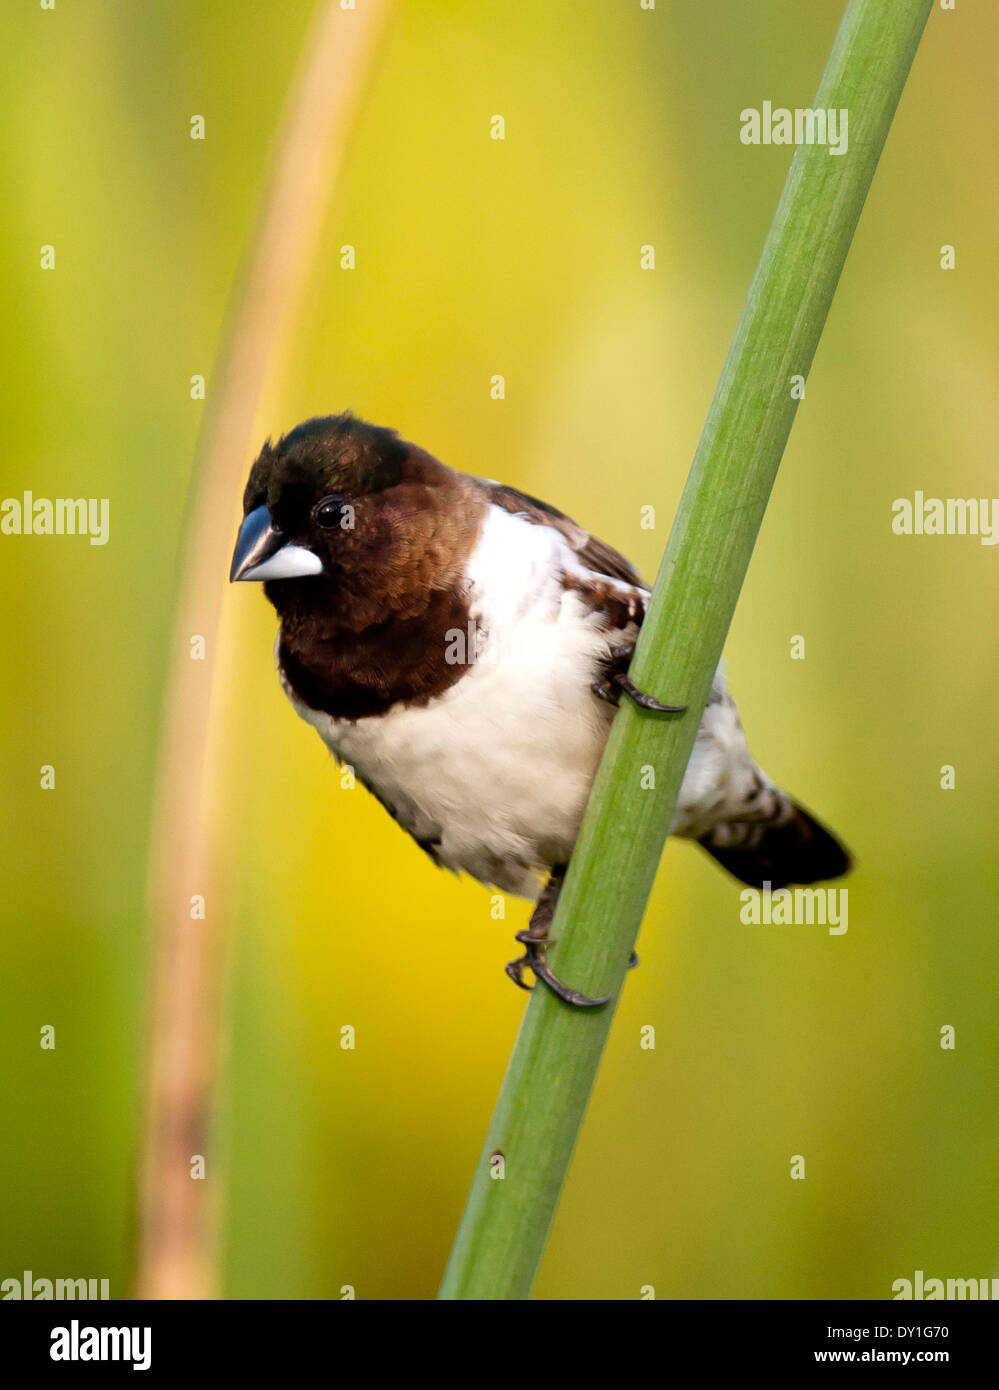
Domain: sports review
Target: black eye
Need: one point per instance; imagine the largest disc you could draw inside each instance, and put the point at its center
(327, 512)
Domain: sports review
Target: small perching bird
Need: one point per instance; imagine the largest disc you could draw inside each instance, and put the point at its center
(462, 646)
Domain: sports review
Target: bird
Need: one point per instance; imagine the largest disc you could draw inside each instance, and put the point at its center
(462, 646)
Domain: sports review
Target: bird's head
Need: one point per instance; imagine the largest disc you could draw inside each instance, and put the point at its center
(307, 496)
(347, 524)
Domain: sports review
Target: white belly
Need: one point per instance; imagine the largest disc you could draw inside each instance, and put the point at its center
(493, 774)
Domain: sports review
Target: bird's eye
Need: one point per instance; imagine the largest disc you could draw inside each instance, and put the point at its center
(327, 512)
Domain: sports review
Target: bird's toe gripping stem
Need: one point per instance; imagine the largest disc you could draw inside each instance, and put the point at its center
(535, 959)
(536, 940)
(616, 681)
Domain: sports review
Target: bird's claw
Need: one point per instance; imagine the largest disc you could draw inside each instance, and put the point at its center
(641, 699)
(515, 969)
(535, 959)
(615, 682)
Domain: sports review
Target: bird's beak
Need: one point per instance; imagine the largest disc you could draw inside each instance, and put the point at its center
(263, 551)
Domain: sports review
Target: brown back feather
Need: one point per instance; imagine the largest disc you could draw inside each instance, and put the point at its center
(594, 553)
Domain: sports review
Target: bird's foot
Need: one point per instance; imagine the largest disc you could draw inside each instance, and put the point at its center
(616, 681)
(643, 700)
(536, 960)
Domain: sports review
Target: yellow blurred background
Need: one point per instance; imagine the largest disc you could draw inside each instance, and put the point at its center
(521, 257)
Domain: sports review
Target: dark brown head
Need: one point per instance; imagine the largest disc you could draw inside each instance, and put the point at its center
(354, 503)
(361, 540)
(302, 495)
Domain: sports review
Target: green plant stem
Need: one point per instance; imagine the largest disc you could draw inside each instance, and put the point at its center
(554, 1063)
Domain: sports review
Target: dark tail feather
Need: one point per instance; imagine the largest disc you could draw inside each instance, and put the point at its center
(798, 850)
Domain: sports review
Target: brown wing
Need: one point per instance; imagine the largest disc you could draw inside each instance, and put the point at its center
(593, 553)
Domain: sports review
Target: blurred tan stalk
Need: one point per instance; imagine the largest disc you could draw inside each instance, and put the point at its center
(177, 1214)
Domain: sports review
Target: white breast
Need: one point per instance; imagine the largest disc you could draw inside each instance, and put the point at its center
(495, 772)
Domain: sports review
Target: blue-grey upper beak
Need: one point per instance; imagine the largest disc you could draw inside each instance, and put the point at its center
(263, 551)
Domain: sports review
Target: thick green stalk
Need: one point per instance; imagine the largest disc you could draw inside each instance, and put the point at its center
(555, 1060)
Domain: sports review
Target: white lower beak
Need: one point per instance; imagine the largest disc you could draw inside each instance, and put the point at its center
(290, 562)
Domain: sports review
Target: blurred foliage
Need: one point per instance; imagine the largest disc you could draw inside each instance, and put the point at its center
(520, 257)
